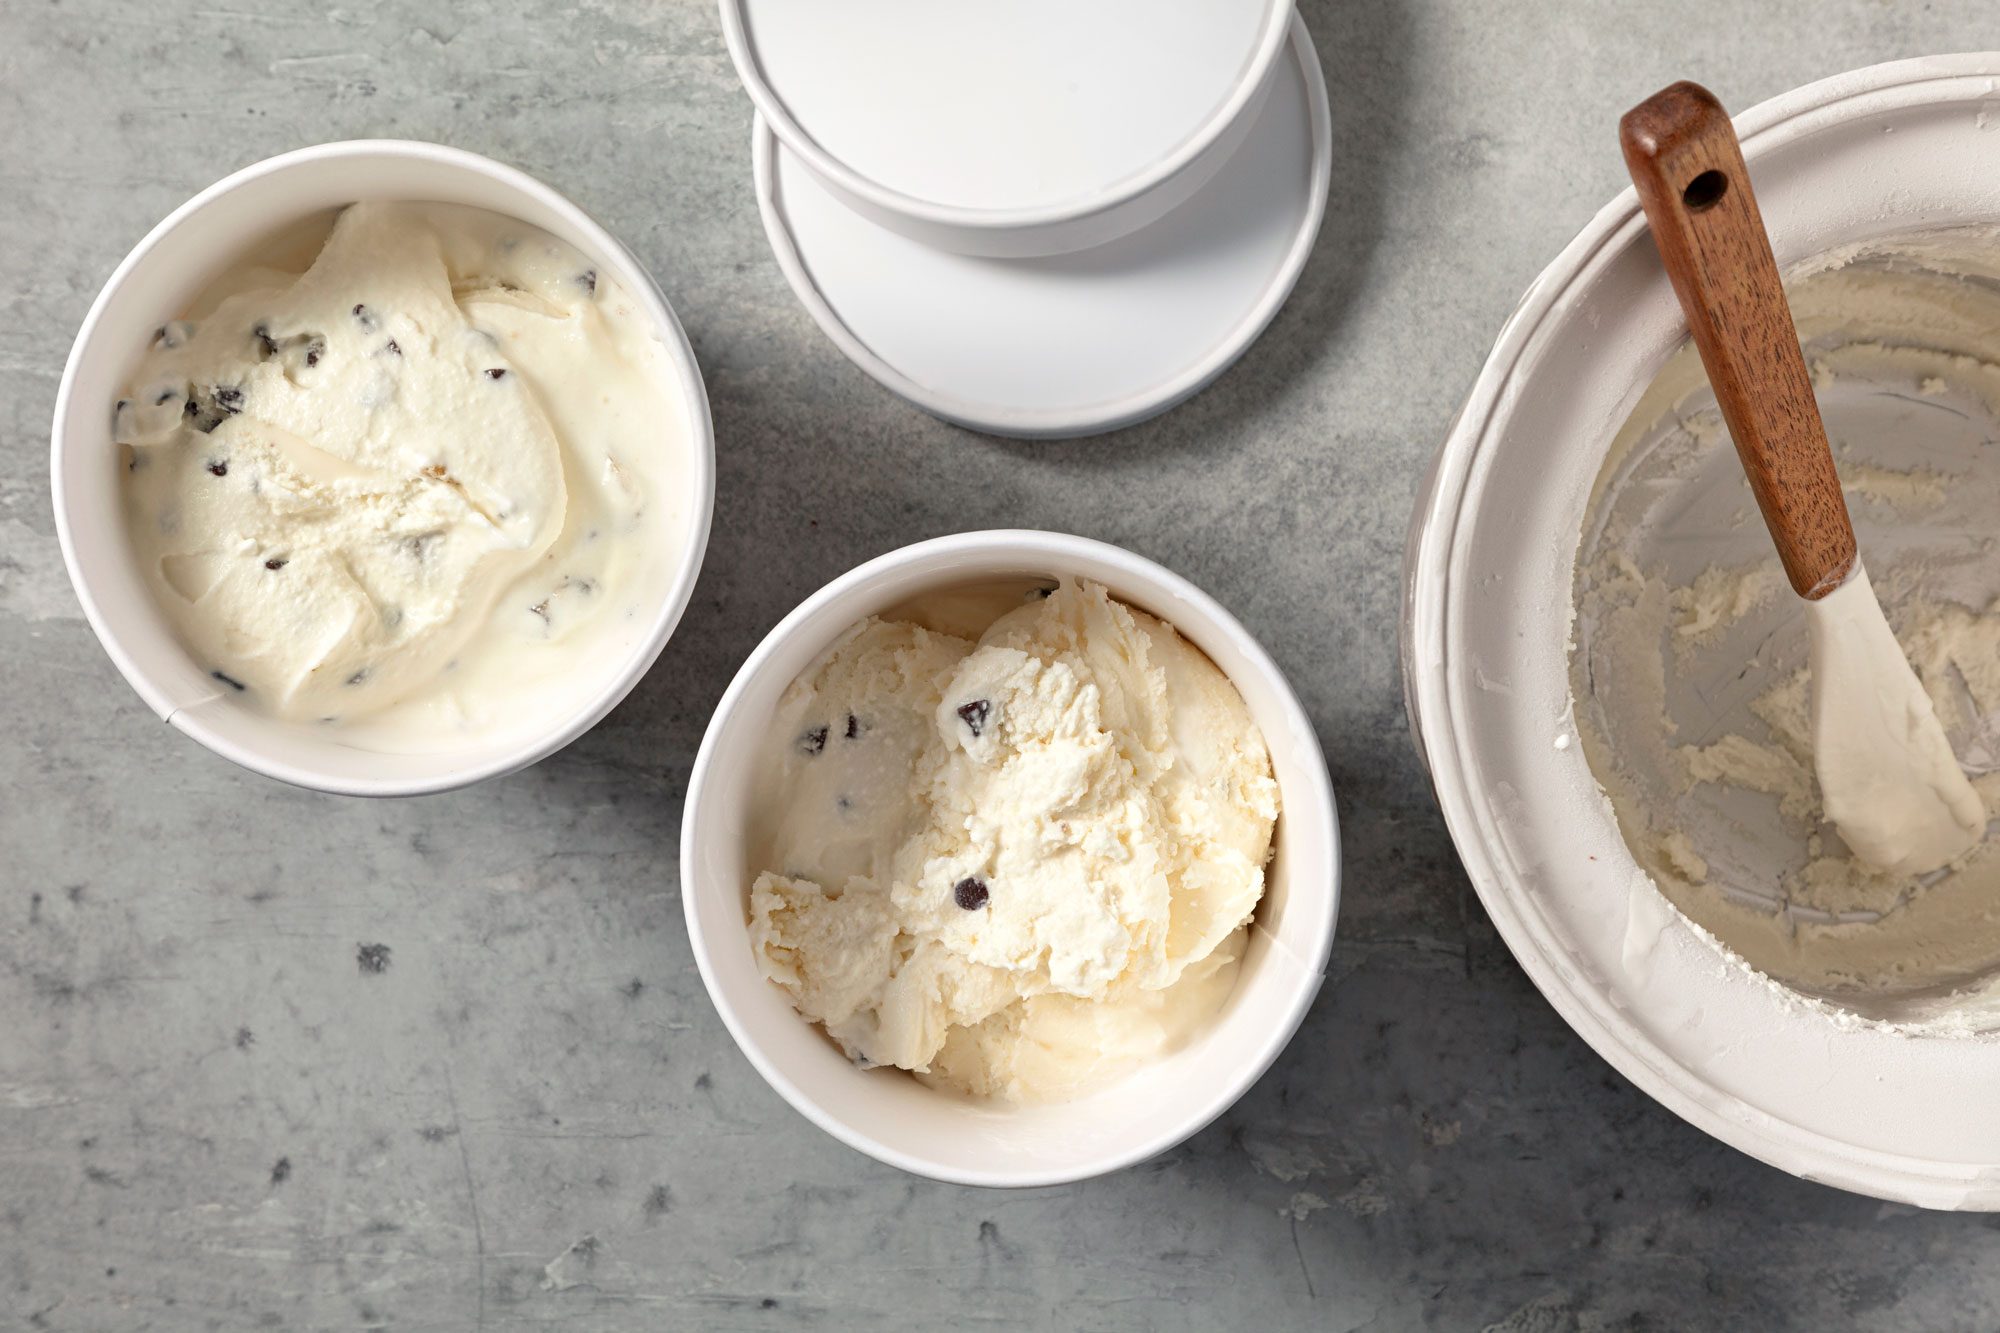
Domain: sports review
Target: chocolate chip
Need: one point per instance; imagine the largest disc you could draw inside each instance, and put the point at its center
(853, 726)
(974, 715)
(358, 676)
(391, 348)
(496, 374)
(173, 333)
(218, 467)
(276, 562)
(365, 317)
(265, 342)
(813, 741)
(588, 280)
(230, 681)
(164, 398)
(969, 893)
(211, 407)
(314, 351)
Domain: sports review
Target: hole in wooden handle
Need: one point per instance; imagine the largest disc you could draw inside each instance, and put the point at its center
(1705, 191)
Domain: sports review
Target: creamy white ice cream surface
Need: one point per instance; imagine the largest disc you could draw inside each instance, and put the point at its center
(406, 482)
(1014, 853)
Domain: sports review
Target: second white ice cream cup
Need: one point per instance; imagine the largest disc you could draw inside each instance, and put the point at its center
(891, 1116)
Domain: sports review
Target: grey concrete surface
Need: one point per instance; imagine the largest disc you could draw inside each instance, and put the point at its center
(213, 1116)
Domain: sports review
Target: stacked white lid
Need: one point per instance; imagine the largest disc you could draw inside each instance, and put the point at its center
(1042, 218)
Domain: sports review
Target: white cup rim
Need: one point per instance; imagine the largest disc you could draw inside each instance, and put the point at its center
(1312, 806)
(535, 747)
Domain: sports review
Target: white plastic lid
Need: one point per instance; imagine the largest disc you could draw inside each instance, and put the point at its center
(1078, 343)
(1025, 110)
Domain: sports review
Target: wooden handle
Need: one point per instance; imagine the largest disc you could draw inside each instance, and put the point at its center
(1683, 156)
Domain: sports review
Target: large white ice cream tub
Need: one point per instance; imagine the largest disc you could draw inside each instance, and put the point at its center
(1488, 622)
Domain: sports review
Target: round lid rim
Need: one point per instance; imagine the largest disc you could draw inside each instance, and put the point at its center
(1273, 39)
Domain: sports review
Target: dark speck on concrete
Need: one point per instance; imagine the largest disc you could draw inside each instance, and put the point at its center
(281, 1171)
(245, 1039)
(769, 1303)
(34, 908)
(434, 1133)
(372, 958)
(990, 1241)
(61, 990)
(97, 1175)
(73, 892)
(659, 1202)
(631, 989)
(703, 1082)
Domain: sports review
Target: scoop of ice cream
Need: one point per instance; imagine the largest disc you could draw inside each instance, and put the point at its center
(1050, 1048)
(337, 475)
(1036, 843)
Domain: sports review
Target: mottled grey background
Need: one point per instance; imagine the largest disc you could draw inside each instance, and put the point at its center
(211, 1115)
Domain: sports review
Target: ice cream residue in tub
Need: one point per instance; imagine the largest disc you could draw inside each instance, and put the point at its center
(409, 489)
(1690, 672)
(1010, 844)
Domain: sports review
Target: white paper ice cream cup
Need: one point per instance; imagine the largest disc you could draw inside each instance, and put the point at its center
(891, 1116)
(155, 282)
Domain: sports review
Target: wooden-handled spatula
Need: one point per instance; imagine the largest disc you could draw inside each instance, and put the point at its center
(1684, 158)
(1888, 779)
